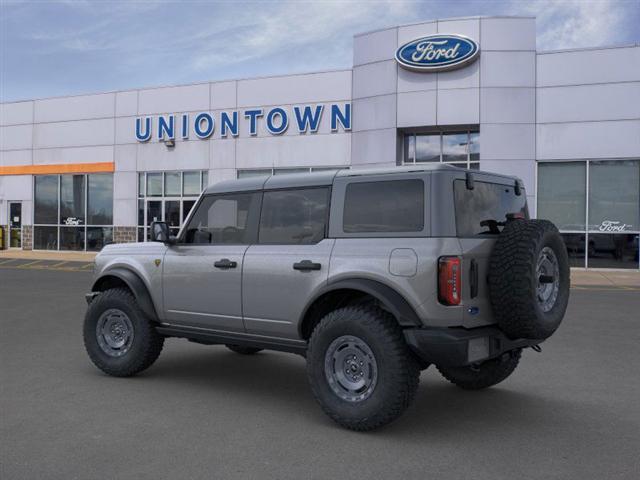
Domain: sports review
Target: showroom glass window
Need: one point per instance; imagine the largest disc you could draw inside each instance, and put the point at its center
(73, 212)
(168, 197)
(596, 206)
(456, 148)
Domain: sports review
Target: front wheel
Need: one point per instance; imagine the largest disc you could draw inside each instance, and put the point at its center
(361, 372)
(120, 340)
(484, 375)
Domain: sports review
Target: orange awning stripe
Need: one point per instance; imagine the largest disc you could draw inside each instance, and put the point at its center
(100, 167)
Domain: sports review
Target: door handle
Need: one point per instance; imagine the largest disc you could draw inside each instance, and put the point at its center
(225, 263)
(306, 265)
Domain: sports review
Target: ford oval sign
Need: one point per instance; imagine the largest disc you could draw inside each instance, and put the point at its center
(437, 53)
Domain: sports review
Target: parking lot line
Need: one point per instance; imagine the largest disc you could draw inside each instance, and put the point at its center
(8, 261)
(58, 264)
(25, 265)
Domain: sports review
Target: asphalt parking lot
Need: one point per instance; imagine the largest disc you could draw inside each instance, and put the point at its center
(572, 411)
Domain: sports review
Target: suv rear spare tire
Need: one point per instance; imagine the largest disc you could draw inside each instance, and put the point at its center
(529, 279)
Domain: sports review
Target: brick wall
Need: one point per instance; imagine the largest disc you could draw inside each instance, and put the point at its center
(27, 237)
(125, 234)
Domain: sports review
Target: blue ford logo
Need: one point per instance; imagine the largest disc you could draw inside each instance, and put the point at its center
(436, 53)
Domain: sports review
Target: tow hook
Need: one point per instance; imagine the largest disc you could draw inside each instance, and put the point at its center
(536, 348)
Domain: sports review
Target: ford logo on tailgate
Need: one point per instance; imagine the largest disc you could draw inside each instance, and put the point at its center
(436, 53)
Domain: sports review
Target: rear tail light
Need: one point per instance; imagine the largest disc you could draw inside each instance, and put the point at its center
(449, 280)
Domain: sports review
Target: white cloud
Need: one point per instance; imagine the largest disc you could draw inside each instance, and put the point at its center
(576, 23)
(293, 25)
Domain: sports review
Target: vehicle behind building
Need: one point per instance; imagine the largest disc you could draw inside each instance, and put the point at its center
(372, 275)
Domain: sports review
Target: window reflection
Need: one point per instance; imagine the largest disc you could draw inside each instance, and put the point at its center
(46, 199)
(459, 148)
(172, 184)
(98, 237)
(45, 238)
(100, 204)
(562, 194)
(614, 196)
(474, 147)
(455, 147)
(154, 184)
(575, 243)
(71, 238)
(72, 197)
(80, 199)
(612, 250)
(428, 148)
(191, 183)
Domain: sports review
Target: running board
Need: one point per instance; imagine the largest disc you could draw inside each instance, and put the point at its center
(209, 337)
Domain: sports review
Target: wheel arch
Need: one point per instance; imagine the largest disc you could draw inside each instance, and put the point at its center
(345, 291)
(123, 277)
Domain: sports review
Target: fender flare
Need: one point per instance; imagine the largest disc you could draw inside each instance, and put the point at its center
(135, 284)
(395, 303)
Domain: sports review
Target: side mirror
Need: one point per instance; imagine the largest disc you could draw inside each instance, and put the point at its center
(160, 232)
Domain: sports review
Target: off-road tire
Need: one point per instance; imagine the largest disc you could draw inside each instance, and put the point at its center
(513, 279)
(486, 374)
(146, 344)
(398, 371)
(242, 350)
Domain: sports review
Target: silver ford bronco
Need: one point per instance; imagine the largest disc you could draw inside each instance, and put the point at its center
(372, 275)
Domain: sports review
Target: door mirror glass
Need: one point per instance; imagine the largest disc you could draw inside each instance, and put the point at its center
(159, 232)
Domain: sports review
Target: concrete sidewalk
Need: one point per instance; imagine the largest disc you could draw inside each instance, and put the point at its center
(39, 255)
(610, 278)
(579, 276)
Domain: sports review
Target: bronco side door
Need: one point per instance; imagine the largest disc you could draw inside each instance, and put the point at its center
(202, 275)
(290, 260)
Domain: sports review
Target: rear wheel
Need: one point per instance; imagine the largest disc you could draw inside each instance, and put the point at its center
(484, 375)
(120, 340)
(241, 349)
(361, 372)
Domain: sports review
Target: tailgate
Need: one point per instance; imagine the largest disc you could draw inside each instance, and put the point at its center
(475, 288)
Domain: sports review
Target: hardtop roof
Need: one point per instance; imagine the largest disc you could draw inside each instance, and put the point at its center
(313, 179)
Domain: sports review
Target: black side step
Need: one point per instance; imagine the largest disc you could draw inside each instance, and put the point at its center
(210, 337)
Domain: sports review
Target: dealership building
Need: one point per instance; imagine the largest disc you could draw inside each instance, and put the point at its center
(81, 171)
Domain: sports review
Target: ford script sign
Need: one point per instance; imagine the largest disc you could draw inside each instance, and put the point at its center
(437, 53)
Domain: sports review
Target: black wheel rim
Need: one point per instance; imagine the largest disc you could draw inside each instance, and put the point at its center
(114, 332)
(350, 368)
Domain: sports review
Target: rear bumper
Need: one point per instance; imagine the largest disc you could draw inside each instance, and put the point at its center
(457, 347)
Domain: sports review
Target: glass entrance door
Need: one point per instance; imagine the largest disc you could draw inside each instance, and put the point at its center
(170, 210)
(15, 224)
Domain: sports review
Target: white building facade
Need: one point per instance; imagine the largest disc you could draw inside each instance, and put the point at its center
(78, 172)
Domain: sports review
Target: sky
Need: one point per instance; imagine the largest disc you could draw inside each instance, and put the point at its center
(66, 47)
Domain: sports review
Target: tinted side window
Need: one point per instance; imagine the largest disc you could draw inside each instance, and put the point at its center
(224, 219)
(384, 206)
(481, 211)
(294, 216)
